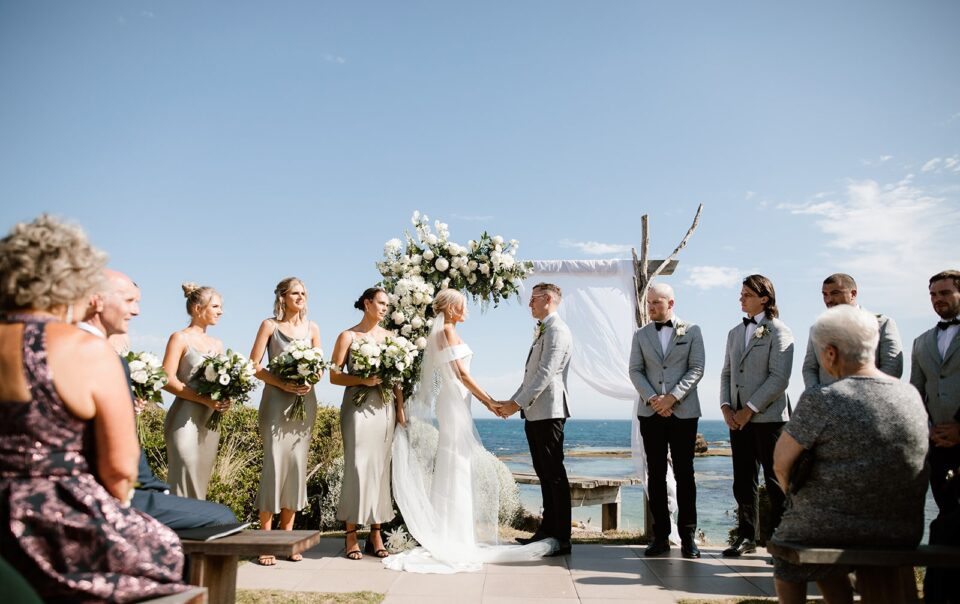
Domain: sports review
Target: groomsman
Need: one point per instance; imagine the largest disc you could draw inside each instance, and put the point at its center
(753, 399)
(935, 372)
(840, 288)
(666, 364)
(109, 315)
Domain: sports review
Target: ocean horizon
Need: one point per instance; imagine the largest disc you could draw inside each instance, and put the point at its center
(716, 507)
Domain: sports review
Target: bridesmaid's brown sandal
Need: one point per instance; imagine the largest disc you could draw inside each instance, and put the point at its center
(352, 554)
(368, 547)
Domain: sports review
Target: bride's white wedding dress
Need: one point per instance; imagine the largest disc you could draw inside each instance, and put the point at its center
(444, 481)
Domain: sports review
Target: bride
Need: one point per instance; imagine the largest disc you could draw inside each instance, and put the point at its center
(444, 481)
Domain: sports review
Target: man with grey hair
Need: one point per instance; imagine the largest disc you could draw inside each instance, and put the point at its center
(840, 288)
(666, 364)
(109, 315)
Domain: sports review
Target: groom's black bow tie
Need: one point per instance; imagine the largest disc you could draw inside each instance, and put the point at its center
(660, 326)
(748, 321)
(946, 324)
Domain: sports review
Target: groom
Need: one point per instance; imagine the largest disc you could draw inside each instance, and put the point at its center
(542, 401)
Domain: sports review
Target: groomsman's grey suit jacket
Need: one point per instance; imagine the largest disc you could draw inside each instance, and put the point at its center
(889, 356)
(677, 372)
(759, 374)
(937, 380)
(543, 393)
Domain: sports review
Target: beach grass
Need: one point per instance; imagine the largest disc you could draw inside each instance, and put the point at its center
(276, 596)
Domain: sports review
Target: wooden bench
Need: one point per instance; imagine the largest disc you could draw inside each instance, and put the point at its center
(194, 595)
(585, 490)
(883, 575)
(213, 564)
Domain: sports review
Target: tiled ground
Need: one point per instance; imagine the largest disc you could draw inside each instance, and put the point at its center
(593, 574)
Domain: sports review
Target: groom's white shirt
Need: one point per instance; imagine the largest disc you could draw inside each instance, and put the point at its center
(543, 393)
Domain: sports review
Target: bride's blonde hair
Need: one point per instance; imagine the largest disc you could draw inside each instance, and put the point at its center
(447, 299)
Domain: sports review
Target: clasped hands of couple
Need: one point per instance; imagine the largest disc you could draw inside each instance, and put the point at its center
(502, 409)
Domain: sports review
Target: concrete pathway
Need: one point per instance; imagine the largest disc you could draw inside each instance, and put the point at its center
(593, 574)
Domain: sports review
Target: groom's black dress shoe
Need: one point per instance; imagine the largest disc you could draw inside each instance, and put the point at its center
(532, 539)
(740, 546)
(565, 549)
(689, 549)
(657, 548)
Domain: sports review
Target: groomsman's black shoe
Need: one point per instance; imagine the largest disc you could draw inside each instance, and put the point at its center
(740, 546)
(532, 539)
(565, 549)
(657, 548)
(689, 549)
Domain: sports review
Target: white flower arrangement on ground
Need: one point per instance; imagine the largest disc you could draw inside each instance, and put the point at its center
(147, 378)
(392, 361)
(301, 364)
(399, 541)
(486, 269)
(224, 377)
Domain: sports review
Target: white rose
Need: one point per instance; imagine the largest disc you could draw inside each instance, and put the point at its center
(139, 377)
(507, 261)
(454, 273)
(429, 322)
(421, 343)
(465, 271)
(498, 284)
(391, 247)
(415, 259)
(472, 265)
(431, 239)
(417, 322)
(428, 255)
(498, 239)
(398, 317)
(369, 349)
(445, 283)
(210, 373)
(484, 269)
(406, 330)
(224, 379)
(297, 354)
(472, 279)
(309, 354)
(442, 264)
(303, 369)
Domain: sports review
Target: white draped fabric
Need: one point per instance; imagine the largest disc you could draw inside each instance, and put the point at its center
(599, 306)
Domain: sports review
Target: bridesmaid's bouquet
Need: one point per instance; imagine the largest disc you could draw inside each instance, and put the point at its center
(224, 377)
(391, 361)
(299, 363)
(147, 377)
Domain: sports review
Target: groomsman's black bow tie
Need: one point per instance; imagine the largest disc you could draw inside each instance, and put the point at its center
(660, 326)
(748, 321)
(946, 324)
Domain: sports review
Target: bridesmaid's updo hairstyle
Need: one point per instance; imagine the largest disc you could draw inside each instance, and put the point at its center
(762, 286)
(368, 294)
(46, 263)
(449, 299)
(282, 289)
(198, 296)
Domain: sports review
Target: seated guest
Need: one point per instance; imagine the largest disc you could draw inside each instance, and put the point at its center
(111, 308)
(867, 435)
(68, 446)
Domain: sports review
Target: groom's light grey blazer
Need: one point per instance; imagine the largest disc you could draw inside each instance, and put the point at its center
(759, 372)
(937, 378)
(543, 393)
(676, 372)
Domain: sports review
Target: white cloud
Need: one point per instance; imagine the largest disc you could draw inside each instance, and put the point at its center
(953, 118)
(895, 235)
(596, 248)
(750, 195)
(952, 163)
(148, 14)
(885, 158)
(931, 165)
(707, 277)
(332, 58)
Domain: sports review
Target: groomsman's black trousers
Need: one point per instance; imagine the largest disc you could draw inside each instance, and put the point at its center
(680, 436)
(942, 460)
(545, 438)
(752, 447)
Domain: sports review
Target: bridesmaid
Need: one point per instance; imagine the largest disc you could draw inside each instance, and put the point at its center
(286, 442)
(367, 434)
(191, 446)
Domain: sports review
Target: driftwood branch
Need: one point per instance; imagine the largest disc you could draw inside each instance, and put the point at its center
(683, 244)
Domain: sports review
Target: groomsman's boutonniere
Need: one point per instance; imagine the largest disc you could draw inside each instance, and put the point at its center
(761, 331)
(680, 329)
(538, 330)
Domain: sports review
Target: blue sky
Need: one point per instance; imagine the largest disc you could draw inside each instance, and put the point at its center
(237, 143)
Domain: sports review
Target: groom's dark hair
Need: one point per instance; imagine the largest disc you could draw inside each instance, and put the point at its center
(550, 287)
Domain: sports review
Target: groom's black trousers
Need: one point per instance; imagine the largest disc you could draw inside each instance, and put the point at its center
(545, 438)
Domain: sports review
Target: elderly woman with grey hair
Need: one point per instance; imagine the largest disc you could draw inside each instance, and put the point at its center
(68, 446)
(867, 435)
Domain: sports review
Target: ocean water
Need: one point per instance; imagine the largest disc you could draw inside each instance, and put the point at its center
(714, 475)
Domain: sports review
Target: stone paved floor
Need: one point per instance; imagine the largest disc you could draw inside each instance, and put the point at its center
(593, 574)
